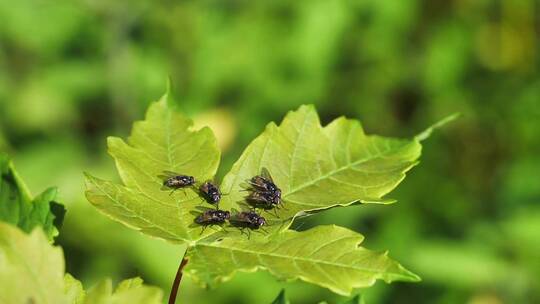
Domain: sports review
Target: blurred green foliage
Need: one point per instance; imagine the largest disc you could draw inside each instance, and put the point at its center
(19, 209)
(468, 219)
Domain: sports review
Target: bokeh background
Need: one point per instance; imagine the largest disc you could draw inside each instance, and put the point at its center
(468, 217)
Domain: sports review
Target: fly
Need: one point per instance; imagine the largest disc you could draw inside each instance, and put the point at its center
(211, 193)
(264, 183)
(212, 217)
(264, 193)
(250, 220)
(175, 181)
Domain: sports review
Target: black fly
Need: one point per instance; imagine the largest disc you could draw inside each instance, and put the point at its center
(175, 181)
(248, 219)
(212, 217)
(264, 183)
(265, 193)
(264, 200)
(211, 193)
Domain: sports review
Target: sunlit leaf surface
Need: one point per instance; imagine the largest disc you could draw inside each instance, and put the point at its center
(128, 291)
(318, 168)
(164, 141)
(328, 256)
(32, 271)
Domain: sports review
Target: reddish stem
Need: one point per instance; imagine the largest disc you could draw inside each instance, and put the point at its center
(177, 279)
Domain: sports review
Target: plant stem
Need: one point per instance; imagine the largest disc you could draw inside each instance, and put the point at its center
(177, 279)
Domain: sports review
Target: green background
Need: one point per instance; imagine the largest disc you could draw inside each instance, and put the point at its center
(467, 219)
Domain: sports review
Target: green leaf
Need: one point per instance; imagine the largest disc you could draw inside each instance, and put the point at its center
(316, 167)
(32, 271)
(163, 141)
(73, 290)
(281, 298)
(319, 168)
(17, 207)
(355, 300)
(328, 256)
(128, 291)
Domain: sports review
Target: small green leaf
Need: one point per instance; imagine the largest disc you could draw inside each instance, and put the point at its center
(319, 168)
(328, 256)
(17, 207)
(32, 271)
(130, 291)
(281, 298)
(74, 290)
(128, 284)
(355, 300)
(163, 141)
(99, 293)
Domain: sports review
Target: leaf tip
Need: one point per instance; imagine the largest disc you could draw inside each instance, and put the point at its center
(427, 132)
(412, 277)
(49, 194)
(271, 127)
(405, 275)
(88, 179)
(308, 106)
(168, 87)
(308, 109)
(281, 298)
(112, 140)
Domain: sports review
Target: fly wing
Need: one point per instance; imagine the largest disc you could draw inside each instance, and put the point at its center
(266, 174)
(247, 185)
(167, 174)
(204, 187)
(258, 200)
(258, 183)
(200, 219)
(240, 217)
(234, 213)
(257, 197)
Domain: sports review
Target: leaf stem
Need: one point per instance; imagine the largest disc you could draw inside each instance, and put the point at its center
(177, 279)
